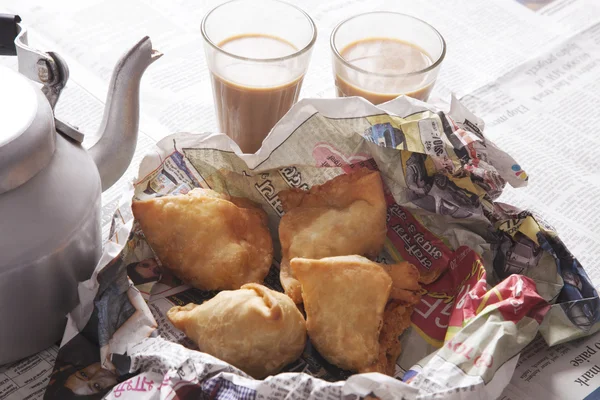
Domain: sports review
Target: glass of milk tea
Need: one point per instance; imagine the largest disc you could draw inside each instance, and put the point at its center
(257, 53)
(382, 55)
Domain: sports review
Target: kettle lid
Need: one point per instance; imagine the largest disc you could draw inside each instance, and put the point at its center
(27, 132)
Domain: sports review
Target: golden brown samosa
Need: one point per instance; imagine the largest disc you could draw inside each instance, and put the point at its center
(209, 240)
(254, 328)
(356, 309)
(344, 299)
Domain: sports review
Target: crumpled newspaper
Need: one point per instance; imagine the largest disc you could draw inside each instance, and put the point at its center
(505, 274)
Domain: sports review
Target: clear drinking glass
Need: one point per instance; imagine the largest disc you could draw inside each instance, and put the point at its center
(382, 55)
(257, 53)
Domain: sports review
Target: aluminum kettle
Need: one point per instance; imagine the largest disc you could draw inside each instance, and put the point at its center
(50, 187)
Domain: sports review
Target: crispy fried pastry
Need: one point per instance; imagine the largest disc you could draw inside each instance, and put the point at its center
(396, 319)
(405, 282)
(344, 216)
(404, 295)
(207, 239)
(254, 328)
(345, 300)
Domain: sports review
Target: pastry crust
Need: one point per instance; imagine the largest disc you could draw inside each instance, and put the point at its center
(356, 309)
(209, 240)
(405, 282)
(344, 216)
(396, 319)
(254, 328)
(404, 295)
(344, 298)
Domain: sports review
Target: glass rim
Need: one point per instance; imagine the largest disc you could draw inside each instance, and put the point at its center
(434, 65)
(297, 53)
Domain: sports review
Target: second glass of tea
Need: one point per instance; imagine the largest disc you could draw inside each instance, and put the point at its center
(257, 53)
(382, 55)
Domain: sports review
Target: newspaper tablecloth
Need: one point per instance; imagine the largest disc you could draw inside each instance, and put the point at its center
(506, 275)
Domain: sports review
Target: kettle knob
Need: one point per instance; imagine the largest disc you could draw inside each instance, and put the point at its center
(8, 33)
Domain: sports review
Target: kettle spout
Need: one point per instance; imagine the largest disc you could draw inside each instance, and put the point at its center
(119, 128)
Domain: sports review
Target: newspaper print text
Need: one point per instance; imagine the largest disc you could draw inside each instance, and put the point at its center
(267, 191)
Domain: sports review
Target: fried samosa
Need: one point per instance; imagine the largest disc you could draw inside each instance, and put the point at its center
(254, 328)
(345, 301)
(209, 240)
(344, 216)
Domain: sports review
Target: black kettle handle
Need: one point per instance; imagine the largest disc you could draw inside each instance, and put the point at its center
(8, 34)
